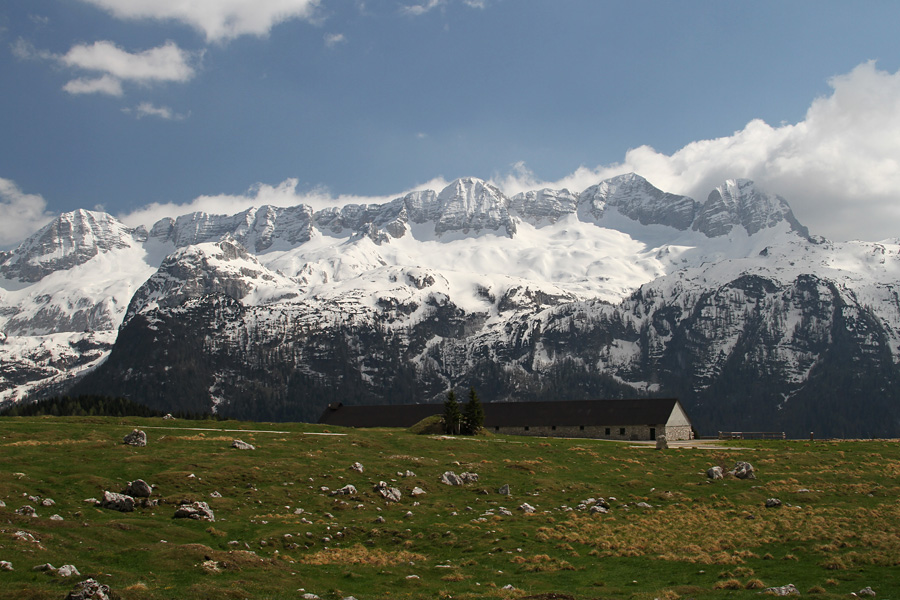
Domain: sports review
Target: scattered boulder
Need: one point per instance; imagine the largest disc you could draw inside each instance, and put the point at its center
(347, 490)
(136, 438)
(308, 596)
(451, 478)
(47, 502)
(27, 511)
(526, 508)
(469, 477)
(743, 470)
(773, 503)
(643, 505)
(5, 565)
(24, 536)
(56, 518)
(90, 589)
(408, 473)
(784, 590)
(168, 417)
(715, 472)
(390, 494)
(43, 568)
(138, 489)
(504, 490)
(357, 466)
(866, 591)
(242, 445)
(119, 502)
(662, 443)
(417, 491)
(67, 571)
(599, 508)
(195, 510)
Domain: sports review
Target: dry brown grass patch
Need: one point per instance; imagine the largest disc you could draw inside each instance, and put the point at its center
(541, 563)
(728, 584)
(360, 555)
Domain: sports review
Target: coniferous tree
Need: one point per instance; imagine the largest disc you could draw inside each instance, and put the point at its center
(452, 416)
(473, 416)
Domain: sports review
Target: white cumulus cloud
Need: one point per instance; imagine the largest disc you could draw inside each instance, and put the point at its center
(19, 213)
(333, 39)
(218, 20)
(839, 168)
(148, 109)
(163, 63)
(106, 84)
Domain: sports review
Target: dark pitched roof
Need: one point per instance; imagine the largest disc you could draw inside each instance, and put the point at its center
(643, 411)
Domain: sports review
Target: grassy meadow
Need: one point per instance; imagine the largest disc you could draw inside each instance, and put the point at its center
(837, 531)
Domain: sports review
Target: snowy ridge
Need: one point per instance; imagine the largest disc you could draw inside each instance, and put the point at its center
(624, 281)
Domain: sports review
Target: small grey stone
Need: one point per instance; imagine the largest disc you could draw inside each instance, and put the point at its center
(784, 590)
(138, 489)
(504, 490)
(743, 470)
(119, 502)
(89, 589)
(67, 571)
(773, 503)
(866, 591)
(526, 508)
(196, 510)
(391, 494)
(242, 445)
(347, 490)
(715, 472)
(357, 466)
(5, 565)
(136, 438)
(451, 478)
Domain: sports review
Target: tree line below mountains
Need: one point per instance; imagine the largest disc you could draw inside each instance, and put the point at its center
(92, 406)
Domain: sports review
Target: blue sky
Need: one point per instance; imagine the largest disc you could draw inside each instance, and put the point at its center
(144, 108)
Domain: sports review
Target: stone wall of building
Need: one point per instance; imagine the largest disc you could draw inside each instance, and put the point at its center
(679, 432)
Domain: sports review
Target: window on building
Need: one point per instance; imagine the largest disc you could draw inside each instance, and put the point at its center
(621, 431)
(581, 428)
(496, 428)
(607, 431)
(526, 428)
(553, 428)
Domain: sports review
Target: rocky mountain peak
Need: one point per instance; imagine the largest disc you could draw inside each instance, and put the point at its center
(224, 267)
(740, 202)
(72, 239)
(257, 228)
(636, 198)
(471, 203)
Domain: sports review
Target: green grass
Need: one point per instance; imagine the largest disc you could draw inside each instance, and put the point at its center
(700, 540)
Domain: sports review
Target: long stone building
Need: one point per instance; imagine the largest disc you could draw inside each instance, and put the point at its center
(638, 419)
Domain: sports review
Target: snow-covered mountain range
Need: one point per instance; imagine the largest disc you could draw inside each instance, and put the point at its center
(621, 290)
